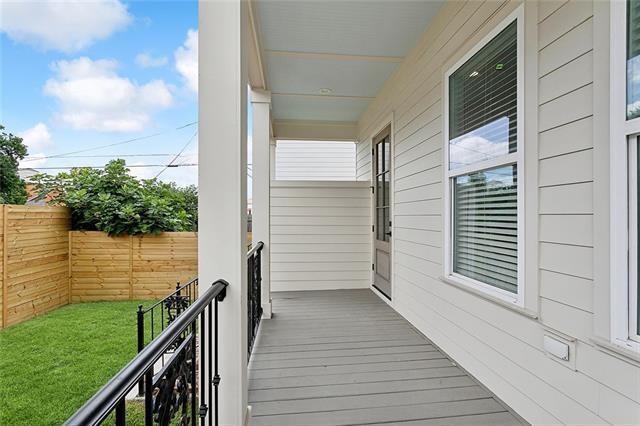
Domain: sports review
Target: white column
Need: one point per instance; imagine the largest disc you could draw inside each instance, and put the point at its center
(222, 181)
(261, 193)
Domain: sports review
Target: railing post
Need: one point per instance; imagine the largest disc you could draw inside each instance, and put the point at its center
(204, 383)
(140, 315)
(148, 397)
(121, 416)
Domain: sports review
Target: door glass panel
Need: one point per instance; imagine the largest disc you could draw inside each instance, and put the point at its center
(379, 191)
(387, 155)
(380, 224)
(386, 224)
(385, 182)
(379, 164)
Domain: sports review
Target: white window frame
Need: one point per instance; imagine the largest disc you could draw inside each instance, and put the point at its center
(624, 137)
(505, 160)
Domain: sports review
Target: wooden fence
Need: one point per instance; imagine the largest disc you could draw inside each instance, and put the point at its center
(130, 267)
(35, 261)
(44, 265)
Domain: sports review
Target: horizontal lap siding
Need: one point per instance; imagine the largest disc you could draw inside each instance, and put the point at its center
(315, 160)
(500, 347)
(35, 263)
(320, 235)
(363, 160)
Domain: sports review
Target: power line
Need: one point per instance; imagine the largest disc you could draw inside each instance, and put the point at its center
(102, 167)
(107, 156)
(178, 154)
(112, 144)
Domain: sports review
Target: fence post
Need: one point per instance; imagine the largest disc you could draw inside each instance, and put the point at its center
(130, 267)
(5, 255)
(141, 343)
(70, 236)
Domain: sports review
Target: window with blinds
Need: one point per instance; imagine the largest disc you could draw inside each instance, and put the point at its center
(483, 103)
(633, 59)
(483, 164)
(485, 227)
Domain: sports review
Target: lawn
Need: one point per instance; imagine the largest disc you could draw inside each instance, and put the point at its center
(50, 365)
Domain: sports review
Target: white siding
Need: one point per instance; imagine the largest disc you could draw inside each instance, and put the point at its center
(315, 160)
(363, 160)
(320, 235)
(503, 348)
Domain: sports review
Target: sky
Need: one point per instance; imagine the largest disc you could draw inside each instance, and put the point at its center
(77, 76)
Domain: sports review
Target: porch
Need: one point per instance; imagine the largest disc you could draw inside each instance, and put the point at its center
(344, 357)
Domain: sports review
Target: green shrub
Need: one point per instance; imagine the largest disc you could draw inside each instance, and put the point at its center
(12, 150)
(113, 201)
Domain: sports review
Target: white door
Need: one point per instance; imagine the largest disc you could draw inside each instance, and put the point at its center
(382, 212)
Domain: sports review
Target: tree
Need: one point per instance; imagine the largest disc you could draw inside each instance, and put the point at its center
(12, 187)
(113, 201)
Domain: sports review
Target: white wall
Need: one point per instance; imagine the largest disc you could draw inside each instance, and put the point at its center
(315, 160)
(320, 235)
(501, 346)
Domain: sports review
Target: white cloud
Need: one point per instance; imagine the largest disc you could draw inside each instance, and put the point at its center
(62, 25)
(37, 137)
(186, 57)
(93, 96)
(145, 60)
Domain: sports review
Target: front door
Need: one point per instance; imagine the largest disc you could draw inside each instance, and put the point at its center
(382, 219)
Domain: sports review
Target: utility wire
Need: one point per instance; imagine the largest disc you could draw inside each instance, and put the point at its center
(102, 167)
(107, 156)
(178, 154)
(112, 144)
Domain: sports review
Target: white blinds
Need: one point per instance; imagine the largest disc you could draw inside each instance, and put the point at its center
(633, 59)
(485, 227)
(483, 121)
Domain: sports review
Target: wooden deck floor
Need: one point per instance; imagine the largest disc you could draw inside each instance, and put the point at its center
(346, 358)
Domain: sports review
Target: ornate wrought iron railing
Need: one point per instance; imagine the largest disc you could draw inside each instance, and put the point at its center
(173, 396)
(254, 299)
(155, 318)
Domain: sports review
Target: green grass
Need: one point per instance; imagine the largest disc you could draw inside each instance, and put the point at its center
(50, 365)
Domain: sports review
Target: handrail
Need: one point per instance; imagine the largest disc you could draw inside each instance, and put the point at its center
(255, 248)
(108, 398)
(173, 305)
(254, 299)
(178, 289)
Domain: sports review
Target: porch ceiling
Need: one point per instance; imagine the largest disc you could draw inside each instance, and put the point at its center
(348, 47)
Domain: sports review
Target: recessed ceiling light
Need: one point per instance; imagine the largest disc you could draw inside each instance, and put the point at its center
(325, 90)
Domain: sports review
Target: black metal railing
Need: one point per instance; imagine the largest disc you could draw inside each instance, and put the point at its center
(254, 299)
(155, 318)
(173, 395)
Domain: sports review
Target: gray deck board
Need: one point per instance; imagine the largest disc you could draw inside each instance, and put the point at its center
(344, 357)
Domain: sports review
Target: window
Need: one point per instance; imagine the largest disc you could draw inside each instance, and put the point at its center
(633, 59)
(483, 152)
(634, 211)
(624, 174)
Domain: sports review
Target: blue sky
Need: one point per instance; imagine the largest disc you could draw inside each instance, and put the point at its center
(74, 77)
